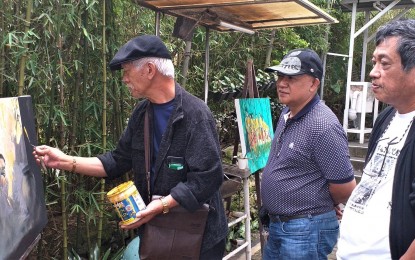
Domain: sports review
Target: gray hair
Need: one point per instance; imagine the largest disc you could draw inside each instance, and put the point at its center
(164, 66)
(405, 31)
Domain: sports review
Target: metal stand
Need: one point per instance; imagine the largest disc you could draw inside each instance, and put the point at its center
(250, 90)
(233, 170)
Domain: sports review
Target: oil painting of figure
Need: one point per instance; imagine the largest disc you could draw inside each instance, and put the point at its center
(22, 205)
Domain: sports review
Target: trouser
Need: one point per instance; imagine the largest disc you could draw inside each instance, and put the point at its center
(309, 238)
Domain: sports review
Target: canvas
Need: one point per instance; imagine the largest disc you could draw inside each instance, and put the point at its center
(255, 130)
(22, 204)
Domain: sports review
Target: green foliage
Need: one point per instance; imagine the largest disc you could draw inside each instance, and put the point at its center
(95, 254)
(63, 74)
(288, 39)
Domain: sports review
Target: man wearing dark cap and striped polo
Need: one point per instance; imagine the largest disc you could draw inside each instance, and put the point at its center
(308, 170)
(182, 130)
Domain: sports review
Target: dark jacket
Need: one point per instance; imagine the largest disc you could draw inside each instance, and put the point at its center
(190, 135)
(402, 220)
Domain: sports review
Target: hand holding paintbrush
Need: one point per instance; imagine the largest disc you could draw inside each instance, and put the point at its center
(41, 160)
(53, 158)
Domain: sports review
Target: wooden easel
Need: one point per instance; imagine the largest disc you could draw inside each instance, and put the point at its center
(250, 90)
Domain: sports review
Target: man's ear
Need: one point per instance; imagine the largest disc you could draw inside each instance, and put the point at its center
(151, 70)
(412, 71)
(315, 85)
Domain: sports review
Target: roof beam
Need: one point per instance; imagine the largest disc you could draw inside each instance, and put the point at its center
(212, 4)
(284, 19)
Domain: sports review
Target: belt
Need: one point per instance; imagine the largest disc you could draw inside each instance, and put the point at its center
(281, 218)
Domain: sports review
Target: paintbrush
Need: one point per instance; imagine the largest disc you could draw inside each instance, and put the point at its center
(42, 163)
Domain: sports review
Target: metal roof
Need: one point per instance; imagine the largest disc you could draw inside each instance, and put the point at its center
(250, 14)
(375, 5)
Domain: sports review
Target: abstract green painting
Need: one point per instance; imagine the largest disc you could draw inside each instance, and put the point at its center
(255, 130)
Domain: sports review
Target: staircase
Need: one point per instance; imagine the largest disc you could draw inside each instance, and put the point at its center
(357, 157)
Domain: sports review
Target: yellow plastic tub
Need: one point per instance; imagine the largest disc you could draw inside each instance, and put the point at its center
(127, 201)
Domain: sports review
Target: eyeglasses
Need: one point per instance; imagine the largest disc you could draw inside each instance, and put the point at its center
(375, 173)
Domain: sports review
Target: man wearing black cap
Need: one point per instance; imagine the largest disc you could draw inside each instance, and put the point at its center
(308, 170)
(185, 153)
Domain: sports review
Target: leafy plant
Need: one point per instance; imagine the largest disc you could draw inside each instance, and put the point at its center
(95, 255)
(82, 109)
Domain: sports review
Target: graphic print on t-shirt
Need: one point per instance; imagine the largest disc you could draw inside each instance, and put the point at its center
(376, 171)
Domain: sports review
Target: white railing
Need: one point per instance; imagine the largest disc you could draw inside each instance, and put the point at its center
(360, 101)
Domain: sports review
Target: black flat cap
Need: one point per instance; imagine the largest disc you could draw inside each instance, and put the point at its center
(140, 47)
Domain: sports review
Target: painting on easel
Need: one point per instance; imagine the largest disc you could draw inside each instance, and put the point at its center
(255, 130)
(22, 204)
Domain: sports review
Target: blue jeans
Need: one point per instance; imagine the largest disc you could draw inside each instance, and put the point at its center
(306, 238)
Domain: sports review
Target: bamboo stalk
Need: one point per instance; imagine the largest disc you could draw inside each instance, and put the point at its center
(269, 49)
(2, 52)
(64, 218)
(185, 68)
(72, 141)
(88, 233)
(83, 91)
(22, 61)
(104, 120)
(61, 139)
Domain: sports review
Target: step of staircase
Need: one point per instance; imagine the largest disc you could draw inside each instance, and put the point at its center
(358, 174)
(357, 150)
(358, 153)
(357, 159)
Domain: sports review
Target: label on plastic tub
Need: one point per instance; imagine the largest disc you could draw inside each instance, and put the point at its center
(127, 202)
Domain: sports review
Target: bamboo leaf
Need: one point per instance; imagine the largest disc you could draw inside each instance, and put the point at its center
(95, 203)
(62, 117)
(32, 33)
(107, 254)
(95, 252)
(77, 208)
(30, 82)
(86, 33)
(47, 20)
(74, 255)
(12, 39)
(91, 4)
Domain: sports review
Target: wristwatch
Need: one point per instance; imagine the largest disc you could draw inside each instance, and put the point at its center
(165, 205)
